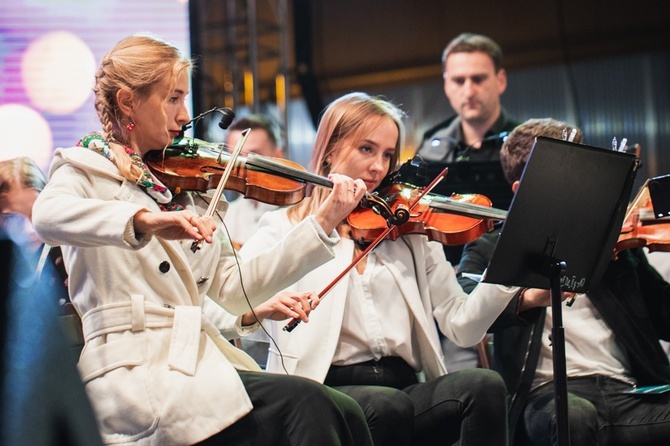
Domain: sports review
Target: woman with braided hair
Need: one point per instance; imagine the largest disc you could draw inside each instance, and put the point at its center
(156, 369)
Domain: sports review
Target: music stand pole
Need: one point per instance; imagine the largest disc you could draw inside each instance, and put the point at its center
(555, 271)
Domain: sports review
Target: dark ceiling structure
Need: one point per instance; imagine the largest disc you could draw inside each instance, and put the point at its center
(255, 51)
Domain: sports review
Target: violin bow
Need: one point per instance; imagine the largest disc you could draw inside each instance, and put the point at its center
(295, 321)
(222, 184)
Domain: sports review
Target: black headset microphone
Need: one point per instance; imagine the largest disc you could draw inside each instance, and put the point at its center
(227, 116)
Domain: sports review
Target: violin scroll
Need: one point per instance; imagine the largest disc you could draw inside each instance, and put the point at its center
(379, 206)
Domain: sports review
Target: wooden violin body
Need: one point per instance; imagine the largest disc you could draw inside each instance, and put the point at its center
(199, 166)
(455, 226)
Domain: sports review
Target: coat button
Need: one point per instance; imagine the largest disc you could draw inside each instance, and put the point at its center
(164, 267)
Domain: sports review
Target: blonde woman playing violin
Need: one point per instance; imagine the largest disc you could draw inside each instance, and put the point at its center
(376, 332)
(156, 369)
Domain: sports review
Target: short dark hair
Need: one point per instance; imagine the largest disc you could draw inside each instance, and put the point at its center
(259, 122)
(470, 43)
(516, 148)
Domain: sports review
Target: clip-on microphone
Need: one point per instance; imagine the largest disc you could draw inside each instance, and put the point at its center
(227, 116)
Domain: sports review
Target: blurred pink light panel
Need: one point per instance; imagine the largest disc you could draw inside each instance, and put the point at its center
(49, 52)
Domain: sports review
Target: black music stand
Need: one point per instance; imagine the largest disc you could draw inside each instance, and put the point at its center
(560, 232)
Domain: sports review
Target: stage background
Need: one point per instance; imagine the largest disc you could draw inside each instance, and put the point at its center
(49, 51)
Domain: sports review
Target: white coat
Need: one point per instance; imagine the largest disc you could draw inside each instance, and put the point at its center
(425, 279)
(156, 370)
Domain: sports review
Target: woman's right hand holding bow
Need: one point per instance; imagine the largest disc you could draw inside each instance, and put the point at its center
(175, 225)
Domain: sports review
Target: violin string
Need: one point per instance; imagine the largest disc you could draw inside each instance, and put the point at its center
(244, 291)
(229, 148)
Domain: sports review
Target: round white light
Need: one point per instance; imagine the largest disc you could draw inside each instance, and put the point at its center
(25, 133)
(58, 71)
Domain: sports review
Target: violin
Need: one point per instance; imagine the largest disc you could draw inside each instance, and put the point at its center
(370, 246)
(454, 220)
(418, 212)
(192, 164)
(196, 165)
(641, 228)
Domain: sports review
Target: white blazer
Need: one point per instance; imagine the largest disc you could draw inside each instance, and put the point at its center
(426, 281)
(156, 369)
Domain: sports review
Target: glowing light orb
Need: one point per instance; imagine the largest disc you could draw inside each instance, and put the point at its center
(24, 133)
(58, 71)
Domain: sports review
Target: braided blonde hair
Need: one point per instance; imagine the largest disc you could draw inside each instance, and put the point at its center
(137, 63)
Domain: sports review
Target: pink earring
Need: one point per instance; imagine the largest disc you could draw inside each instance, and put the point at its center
(130, 127)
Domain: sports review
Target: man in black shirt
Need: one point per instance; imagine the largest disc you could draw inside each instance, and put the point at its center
(469, 142)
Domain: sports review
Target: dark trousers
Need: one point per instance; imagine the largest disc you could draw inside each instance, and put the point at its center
(468, 405)
(599, 413)
(290, 410)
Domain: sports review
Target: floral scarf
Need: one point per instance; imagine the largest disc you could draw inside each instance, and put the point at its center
(161, 194)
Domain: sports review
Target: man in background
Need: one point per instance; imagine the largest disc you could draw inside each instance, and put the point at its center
(42, 397)
(611, 340)
(243, 214)
(474, 80)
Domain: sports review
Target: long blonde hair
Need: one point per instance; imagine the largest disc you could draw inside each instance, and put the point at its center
(344, 122)
(137, 63)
